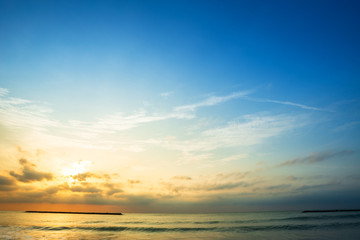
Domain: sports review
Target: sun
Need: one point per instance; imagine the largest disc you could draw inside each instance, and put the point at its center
(76, 168)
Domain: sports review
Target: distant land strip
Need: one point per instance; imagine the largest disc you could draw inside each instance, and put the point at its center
(99, 213)
(336, 210)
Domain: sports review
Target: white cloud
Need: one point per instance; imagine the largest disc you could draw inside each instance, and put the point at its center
(253, 130)
(120, 122)
(22, 113)
(234, 157)
(166, 94)
(134, 148)
(3, 92)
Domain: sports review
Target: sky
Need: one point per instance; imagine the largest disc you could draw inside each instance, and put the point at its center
(179, 106)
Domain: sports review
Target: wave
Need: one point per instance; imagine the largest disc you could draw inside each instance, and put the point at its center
(94, 222)
(208, 222)
(319, 217)
(288, 219)
(335, 225)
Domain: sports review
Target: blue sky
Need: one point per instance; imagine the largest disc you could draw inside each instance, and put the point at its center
(180, 102)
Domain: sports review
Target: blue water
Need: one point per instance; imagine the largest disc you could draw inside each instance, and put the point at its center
(259, 225)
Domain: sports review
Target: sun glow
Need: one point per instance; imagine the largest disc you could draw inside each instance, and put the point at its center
(76, 168)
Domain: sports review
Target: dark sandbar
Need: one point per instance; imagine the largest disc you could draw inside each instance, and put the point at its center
(99, 213)
(336, 210)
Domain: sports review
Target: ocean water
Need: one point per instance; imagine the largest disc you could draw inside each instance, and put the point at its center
(259, 225)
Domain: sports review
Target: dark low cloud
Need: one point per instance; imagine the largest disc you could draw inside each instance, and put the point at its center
(36, 195)
(232, 175)
(7, 184)
(355, 177)
(182, 178)
(53, 189)
(317, 186)
(137, 199)
(134, 181)
(29, 174)
(291, 178)
(317, 157)
(324, 198)
(81, 177)
(94, 198)
(181, 187)
(6, 181)
(112, 189)
(225, 186)
(90, 189)
(279, 187)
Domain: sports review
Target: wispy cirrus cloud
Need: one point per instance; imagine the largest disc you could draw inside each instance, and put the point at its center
(212, 101)
(117, 122)
(287, 103)
(18, 112)
(22, 113)
(121, 122)
(253, 129)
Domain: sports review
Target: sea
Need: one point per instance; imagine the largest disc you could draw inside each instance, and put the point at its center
(254, 225)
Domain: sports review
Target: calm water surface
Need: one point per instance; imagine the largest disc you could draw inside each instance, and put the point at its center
(260, 225)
